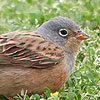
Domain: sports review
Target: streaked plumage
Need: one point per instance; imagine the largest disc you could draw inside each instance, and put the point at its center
(29, 49)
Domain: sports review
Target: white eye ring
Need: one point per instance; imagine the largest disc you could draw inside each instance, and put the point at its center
(63, 32)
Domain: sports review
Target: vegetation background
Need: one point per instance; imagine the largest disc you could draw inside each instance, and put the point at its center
(84, 83)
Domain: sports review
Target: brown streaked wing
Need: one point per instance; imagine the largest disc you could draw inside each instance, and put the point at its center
(28, 49)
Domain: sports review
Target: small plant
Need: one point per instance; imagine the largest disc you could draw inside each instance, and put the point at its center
(24, 96)
(47, 95)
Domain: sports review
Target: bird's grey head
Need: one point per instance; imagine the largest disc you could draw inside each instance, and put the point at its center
(58, 30)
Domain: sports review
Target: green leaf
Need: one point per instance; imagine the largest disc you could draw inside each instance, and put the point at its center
(17, 98)
(71, 95)
(22, 92)
(35, 97)
(47, 92)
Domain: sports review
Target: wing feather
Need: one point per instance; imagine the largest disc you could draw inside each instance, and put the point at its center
(29, 49)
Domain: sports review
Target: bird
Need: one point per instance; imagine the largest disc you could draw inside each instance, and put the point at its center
(32, 60)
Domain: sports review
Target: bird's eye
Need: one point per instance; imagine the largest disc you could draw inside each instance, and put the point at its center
(63, 32)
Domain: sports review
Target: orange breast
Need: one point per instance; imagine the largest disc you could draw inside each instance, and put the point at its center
(13, 79)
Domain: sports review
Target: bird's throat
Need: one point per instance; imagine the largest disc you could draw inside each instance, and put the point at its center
(72, 46)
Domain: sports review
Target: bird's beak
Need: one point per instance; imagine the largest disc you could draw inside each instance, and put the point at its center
(81, 36)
